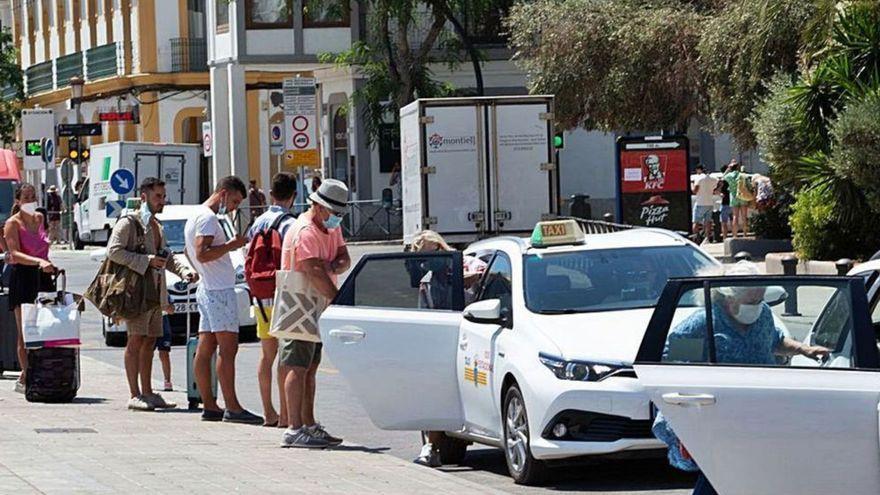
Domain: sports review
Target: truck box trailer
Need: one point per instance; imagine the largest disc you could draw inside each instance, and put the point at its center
(179, 165)
(477, 167)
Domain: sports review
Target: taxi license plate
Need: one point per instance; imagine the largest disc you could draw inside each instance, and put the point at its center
(186, 308)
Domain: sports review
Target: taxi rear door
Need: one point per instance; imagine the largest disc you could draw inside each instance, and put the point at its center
(768, 428)
(392, 332)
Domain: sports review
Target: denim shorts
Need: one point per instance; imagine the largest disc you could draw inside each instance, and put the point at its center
(726, 213)
(702, 214)
(218, 310)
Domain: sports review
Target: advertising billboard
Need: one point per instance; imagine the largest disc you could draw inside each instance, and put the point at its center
(653, 181)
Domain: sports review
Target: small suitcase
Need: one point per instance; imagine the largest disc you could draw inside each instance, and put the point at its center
(8, 336)
(194, 398)
(52, 374)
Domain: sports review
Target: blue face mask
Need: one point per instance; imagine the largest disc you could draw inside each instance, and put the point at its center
(333, 222)
(146, 214)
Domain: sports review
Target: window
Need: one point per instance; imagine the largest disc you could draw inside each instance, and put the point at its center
(174, 235)
(222, 12)
(417, 281)
(757, 323)
(269, 14)
(497, 283)
(321, 13)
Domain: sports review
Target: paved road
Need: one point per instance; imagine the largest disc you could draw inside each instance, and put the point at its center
(344, 415)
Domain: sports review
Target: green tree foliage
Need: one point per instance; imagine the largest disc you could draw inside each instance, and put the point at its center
(10, 77)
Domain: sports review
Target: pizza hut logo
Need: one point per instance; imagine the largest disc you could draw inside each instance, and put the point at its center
(654, 211)
(653, 171)
(435, 141)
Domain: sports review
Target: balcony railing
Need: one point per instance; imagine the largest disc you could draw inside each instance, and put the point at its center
(104, 60)
(189, 55)
(40, 77)
(9, 93)
(68, 66)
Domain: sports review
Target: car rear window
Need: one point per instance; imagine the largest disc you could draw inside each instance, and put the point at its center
(606, 279)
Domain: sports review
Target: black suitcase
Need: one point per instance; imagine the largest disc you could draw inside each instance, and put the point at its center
(8, 336)
(52, 374)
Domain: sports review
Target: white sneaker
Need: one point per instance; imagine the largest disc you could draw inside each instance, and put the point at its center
(19, 387)
(428, 457)
(139, 403)
(158, 402)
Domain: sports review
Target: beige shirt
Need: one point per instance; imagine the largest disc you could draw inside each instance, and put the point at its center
(123, 245)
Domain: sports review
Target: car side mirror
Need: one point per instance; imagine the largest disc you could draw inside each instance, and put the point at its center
(486, 312)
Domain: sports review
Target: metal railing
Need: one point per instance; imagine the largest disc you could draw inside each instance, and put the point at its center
(103, 61)
(68, 66)
(189, 55)
(590, 226)
(40, 77)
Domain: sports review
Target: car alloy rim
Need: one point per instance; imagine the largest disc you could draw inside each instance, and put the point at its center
(517, 437)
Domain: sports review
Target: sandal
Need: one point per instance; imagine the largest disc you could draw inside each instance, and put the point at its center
(270, 425)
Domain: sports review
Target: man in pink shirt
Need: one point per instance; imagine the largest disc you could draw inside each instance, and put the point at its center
(314, 246)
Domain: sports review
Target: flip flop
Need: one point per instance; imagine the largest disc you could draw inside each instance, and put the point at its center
(271, 425)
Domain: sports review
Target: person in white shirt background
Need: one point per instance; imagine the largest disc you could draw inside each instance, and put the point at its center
(704, 202)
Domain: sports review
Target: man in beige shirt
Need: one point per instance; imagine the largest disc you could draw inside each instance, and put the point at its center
(138, 243)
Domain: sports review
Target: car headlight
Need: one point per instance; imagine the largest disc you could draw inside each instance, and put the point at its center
(582, 371)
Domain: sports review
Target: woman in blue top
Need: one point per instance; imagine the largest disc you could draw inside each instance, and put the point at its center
(745, 332)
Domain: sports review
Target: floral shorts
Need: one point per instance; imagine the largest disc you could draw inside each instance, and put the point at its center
(218, 310)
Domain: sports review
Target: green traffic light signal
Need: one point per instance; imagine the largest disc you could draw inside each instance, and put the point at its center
(558, 141)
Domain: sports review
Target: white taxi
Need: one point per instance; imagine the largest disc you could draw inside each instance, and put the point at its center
(536, 359)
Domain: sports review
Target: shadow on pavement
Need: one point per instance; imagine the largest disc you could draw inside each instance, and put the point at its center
(360, 448)
(89, 400)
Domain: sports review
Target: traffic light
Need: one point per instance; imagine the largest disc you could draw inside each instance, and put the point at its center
(84, 154)
(73, 149)
(559, 140)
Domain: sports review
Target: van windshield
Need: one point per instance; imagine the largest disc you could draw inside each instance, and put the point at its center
(605, 279)
(7, 198)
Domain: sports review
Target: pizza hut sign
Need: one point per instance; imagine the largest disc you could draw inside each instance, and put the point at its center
(654, 211)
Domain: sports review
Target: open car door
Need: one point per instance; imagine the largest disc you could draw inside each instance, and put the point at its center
(393, 334)
(753, 425)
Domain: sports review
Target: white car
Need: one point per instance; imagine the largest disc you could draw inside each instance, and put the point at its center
(804, 426)
(182, 295)
(540, 364)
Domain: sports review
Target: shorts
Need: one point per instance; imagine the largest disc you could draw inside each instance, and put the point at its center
(25, 283)
(163, 343)
(263, 325)
(702, 214)
(726, 213)
(148, 324)
(299, 353)
(218, 310)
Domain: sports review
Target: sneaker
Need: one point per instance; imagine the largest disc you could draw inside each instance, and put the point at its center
(317, 430)
(168, 386)
(140, 403)
(211, 415)
(244, 417)
(19, 387)
(158, 402)
(302, 439)
(428, 457)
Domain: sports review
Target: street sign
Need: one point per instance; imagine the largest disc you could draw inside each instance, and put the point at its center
(653, 180)
(122, 114)
(36, 124)
(47, 146)
(122, 181)
(114, 208)
(67, 130)
(67, 170)
(207, 139)
(300, 122)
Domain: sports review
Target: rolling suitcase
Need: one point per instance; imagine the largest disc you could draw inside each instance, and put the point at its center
(194, 398)
(52, 374)
(8, 336)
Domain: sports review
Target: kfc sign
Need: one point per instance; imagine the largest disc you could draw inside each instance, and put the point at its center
(653, 181)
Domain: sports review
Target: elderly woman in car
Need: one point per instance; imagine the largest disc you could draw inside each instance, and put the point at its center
(745, 332)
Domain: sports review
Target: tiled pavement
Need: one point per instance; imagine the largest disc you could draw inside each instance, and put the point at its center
(96, 445)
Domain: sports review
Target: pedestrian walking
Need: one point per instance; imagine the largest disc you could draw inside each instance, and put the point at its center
(313, 246)
(208, 248)
(265, 239)
(28, 256)
(54, 207)
(704, 203)
(741, 196)
(726, 213)
(163, 347)
(256, 200)
(138, 242)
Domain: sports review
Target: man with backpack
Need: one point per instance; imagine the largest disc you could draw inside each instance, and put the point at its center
(263, 258)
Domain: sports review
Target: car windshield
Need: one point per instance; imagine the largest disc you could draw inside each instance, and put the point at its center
(605, 279)
(174, 234)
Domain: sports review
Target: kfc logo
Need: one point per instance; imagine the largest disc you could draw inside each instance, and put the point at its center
(654, 172)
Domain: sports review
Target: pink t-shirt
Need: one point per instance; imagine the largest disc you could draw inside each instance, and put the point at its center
(312, 242)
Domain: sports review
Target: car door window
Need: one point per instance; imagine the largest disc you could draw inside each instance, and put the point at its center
(417, 281)
(761, 323)
(498, 281)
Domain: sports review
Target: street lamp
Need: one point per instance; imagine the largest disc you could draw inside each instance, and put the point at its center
(76, 94)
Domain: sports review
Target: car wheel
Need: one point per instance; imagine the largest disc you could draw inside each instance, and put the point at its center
(523, 468)
(451, 450)
(77, 242)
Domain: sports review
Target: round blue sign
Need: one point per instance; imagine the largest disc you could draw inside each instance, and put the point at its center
(122, 181)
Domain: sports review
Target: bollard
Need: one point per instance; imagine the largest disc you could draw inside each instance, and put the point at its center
(844, 265)
(608, 217)
(742, 256)
(789, 267)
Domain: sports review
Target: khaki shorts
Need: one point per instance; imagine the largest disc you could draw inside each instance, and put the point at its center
(299, 353)
(148, 324)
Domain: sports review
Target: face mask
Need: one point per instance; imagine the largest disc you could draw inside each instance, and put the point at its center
(29, 208)
(332, 222)
(748, 313)
(146, 214)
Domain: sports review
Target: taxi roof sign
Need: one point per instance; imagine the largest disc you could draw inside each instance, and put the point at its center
(557, 233)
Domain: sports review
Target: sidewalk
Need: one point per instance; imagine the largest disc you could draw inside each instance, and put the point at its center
(96, 445)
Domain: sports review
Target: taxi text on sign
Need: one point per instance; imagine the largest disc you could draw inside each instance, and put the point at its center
(300, 122)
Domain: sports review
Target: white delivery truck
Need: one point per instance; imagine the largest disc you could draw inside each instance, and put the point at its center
(478, 167)
(179, 165)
